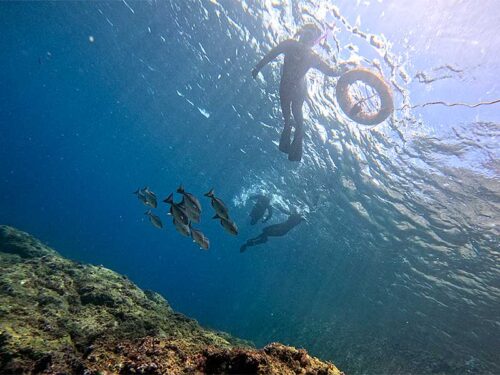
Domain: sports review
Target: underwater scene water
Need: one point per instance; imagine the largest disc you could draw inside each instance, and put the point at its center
(396, 268)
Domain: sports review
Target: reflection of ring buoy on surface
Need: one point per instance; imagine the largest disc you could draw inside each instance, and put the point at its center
(354, 107)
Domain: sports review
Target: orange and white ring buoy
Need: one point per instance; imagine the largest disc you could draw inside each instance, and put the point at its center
(351, 106)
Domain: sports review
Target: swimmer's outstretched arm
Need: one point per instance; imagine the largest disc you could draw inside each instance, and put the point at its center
(319, 64)
(275, 52)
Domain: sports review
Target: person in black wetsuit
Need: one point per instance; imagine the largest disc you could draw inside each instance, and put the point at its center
(299, 58)
(275, 230)
(260, 207)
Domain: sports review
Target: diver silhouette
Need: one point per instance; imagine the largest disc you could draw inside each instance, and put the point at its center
(299, 58)
(275, 230)
(262, 204)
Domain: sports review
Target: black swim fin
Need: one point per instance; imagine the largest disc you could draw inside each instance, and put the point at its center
(285, 140)
(295, 153)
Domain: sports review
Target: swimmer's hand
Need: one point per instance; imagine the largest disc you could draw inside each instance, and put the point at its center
(255, 72)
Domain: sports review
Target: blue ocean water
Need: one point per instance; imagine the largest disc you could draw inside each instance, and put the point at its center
(396, 269)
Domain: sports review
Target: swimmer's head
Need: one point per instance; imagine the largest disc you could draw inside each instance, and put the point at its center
(309, 34)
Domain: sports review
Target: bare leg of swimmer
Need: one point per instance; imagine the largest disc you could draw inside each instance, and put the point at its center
(254, 241)
(287, 130)
(295, 153)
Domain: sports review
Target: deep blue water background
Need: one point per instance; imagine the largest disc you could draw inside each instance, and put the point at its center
(397, 272)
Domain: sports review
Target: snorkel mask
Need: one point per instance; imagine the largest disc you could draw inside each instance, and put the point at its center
(311, 34)
(322, 37)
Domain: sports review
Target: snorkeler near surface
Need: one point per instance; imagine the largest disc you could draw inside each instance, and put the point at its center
(299, 58)
(262, 204)
(275, 230)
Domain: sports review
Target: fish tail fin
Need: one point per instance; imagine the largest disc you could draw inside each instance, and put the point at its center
(210, 194)
(216, 216)
(136, 192)
(180, 189)
(148, 212)
(169, 199)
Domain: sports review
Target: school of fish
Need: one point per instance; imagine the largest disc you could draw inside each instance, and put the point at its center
(186, 212)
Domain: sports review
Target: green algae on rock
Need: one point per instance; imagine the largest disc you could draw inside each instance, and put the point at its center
(60, 316)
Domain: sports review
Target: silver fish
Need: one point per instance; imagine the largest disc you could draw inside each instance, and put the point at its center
(141, 197)
(193, 215)
(147, 197)
(182, 228)
(218, 205)
(155, 220)
(177, 211)
(148, 191)
(150, 197)
(229, 225)
(191, 201)
(200, 238)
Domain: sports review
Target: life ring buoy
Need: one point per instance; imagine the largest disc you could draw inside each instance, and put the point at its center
(352, 107)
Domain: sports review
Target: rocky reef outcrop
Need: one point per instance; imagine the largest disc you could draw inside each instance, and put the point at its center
(62, 317)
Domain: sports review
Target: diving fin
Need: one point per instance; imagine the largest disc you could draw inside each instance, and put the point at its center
(295, 153)
(285, 140)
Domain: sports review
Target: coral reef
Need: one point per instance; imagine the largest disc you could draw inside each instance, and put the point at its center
(61, 317)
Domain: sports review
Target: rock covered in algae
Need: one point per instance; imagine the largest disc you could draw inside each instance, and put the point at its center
(62, 317)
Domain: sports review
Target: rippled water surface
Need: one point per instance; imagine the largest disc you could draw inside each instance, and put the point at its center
(397, 268)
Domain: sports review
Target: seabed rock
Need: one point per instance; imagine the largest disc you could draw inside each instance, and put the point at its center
(62, 317)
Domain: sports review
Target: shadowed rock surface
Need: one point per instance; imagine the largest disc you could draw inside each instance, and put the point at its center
(60, 317)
